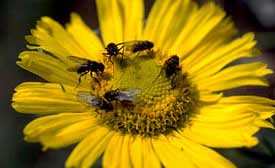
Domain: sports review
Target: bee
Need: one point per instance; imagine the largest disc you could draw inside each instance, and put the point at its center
(124, 96)
(137, 46)
(85, 66)
(91, 100)
(113, 50)
(171, 68)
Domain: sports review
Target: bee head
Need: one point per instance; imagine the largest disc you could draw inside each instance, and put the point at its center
(174, 60)
(149, 44)
(112, 49)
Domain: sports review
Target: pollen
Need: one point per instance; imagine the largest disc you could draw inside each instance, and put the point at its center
(163, 104)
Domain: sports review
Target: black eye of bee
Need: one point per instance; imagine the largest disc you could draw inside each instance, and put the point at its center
(85, 66)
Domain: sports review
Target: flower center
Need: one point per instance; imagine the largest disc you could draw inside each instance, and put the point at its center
(162, 105)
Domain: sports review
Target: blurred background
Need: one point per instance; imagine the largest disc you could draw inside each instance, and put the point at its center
(19, 16)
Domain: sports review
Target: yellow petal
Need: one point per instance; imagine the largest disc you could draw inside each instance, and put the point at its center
(171, 156)
(176, 18)
(52, 69)
(154, 19)
(230, 74)
(257, 68)
(85, 37)
(47, 129)
(166, 17)
(110, 20)
(238, 122)
(197, 28)
(150, 156)
(125, 161)
(239, 82)
(210, 97)
(224, 121)
(137, 152)
(47, 67)
(210, 64)
(53, 121)
(142, 154)
(199, 154)
(117, 152)
(218, 37)
(70, 134)
(120, 20)
(233, 115)
(214, 137)
(112, 153)
(247, 99)
(132, 14)
(45, 98)
(264, 124)
(89, 149)
(49, 35)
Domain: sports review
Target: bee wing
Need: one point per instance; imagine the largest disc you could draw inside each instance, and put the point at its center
(129, 45)
(78, 59)
(73, 69)
(129, 94)
(87, 98)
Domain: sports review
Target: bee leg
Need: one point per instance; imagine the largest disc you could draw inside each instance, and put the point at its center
(151, 53)
(95, 79)
(110, 60)
(99, 74)
(173, 81)
(99, 84)
(121, 53)
(137, 53)
(105, 54)
(109, 57)
(79, 79)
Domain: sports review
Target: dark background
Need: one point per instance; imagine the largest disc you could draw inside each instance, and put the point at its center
(19, 16)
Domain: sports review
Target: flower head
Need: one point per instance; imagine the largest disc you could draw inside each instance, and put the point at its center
(148, 95)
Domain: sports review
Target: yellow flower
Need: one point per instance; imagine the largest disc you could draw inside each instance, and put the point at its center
(174, 118)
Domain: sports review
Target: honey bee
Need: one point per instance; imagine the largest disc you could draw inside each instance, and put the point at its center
(124, 96)
(113, 50)
(91, 100)
(85, 66)
(171, 68)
